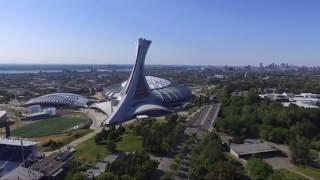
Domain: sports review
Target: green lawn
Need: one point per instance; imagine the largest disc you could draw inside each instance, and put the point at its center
(130, 143)
(49, 126)
(309, 171)
(90, 151)
(291, 175)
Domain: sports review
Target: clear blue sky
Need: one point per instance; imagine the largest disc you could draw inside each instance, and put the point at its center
(215, 32)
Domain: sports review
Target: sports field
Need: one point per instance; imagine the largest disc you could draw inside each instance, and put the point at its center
(49, 126)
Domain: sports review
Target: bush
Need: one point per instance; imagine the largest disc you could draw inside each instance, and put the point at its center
(174, 166)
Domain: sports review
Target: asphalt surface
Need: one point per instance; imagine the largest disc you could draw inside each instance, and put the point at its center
(205, 118)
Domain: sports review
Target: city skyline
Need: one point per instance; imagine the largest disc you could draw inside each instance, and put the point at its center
(188, 33)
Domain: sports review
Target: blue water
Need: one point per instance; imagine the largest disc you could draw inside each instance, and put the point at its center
(56, 71)
(27, 71)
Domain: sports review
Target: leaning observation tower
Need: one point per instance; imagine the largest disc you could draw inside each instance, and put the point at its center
(144, 95)
(135, 97)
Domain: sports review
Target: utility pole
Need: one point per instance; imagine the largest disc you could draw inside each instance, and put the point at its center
(22, 152)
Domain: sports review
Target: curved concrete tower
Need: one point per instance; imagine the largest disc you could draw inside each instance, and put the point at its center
(137, 83)
(136, 97)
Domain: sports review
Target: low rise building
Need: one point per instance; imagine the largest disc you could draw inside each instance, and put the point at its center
(252, 147)
(37, 112)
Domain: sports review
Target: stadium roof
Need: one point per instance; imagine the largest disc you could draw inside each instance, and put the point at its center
(59, 99)
(166, 93)
(154, 82)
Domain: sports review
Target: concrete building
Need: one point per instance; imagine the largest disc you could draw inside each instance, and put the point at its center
(305, 100)
(252, 147)
(37, 112)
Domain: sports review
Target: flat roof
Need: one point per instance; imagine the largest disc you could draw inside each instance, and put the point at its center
(37, 114)
(51, 164)
(252, 148)
(17, 142)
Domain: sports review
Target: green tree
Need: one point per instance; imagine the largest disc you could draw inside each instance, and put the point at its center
(77, 176)
(224, 171)
(111, 146)
(300, 151)
(107, 176)
(257, 169)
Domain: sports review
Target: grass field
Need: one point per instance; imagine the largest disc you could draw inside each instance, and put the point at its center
(49, 126)
(130, 143)
(309, 171)
(90, 151)
(64, 138)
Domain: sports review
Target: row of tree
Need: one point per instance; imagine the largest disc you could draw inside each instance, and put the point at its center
(159, 137)
(257, 169)
(109, 137)
(136, 165)
(209, 162)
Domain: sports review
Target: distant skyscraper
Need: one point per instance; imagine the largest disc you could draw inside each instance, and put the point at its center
(261, 65)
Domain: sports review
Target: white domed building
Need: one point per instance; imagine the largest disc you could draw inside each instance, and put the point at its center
(163, 89)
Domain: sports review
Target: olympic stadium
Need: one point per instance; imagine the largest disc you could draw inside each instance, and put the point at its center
(162, 89)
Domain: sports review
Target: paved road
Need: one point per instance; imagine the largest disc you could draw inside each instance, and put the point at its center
(205, 118)
(211, 117)
(96, 117)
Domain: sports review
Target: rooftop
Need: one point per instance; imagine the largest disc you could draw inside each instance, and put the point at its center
(252, 148)
(59, 98)
(154, 82)
(53, 163)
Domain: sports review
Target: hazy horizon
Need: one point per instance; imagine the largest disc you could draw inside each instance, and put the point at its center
(184, 32)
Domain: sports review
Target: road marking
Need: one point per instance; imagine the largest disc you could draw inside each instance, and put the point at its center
(215, 116)
(206, 116)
